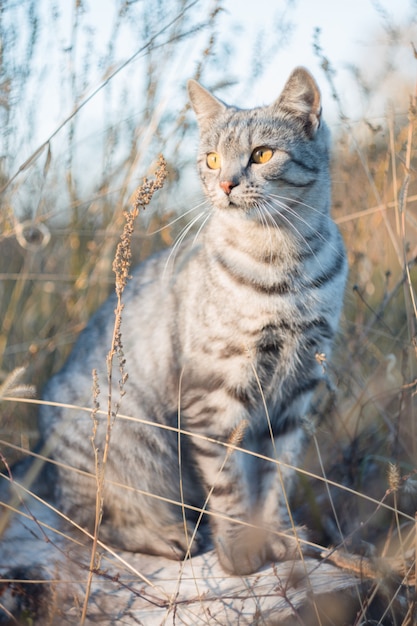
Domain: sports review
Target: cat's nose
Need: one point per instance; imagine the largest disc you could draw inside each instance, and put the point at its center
(227, 186)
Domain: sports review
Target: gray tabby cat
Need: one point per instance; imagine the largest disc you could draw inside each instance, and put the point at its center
(223, 341)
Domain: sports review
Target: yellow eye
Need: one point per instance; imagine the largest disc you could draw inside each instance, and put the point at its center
(213, 160)
(261, 155)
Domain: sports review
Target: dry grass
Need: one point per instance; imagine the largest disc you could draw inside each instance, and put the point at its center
(121, 267)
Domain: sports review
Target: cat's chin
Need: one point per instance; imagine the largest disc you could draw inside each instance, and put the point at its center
(225, 202)
(242, 212)
(234, 204)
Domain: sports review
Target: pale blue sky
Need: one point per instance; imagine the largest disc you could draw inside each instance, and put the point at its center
(349, 33)
(352, 32)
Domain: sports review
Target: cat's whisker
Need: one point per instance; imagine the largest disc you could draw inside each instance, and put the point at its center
(279, 202)
(264, 215)
(279, 206)
(294, 228)
(184, 232)
(282, 206)
(283, 202)
(300, 203)
(177, 219)
(179, 240)
(201, 227)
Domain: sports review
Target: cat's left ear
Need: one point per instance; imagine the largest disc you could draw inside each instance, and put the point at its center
(301, 98)
(205, 105)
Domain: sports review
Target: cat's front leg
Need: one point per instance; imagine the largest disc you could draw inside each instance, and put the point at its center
(224, 472)
(284, 539)
(227, 475)
(236, 537)
(248, 501)
(252, 524)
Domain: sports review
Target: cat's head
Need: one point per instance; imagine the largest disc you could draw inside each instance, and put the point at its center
(260, 159)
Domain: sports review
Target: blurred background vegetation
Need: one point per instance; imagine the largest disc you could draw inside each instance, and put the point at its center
(121, 100)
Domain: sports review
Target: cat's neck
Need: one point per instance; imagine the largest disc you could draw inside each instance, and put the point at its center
(240, 234)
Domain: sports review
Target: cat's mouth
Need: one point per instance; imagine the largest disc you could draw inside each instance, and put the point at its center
(238, 201)
(235, 202)
(247, 207)
(227, 202)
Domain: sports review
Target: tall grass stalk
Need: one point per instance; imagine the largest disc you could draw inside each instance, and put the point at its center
(121, 268)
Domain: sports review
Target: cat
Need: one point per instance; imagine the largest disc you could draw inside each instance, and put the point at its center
(224, 339)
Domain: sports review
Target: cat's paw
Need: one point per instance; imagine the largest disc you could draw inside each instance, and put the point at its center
(242, 552)
(251, 548)
(286, 546)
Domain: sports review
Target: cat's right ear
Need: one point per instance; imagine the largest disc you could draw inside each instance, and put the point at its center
(301, 98)
(205, 105)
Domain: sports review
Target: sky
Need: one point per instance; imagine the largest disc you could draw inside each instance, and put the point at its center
(351, 32)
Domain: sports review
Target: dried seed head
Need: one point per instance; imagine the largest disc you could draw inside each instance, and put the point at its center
(12, 385)
(148, 187)
(321, 360)
(237, 434)
(394, 477)
(123, 257)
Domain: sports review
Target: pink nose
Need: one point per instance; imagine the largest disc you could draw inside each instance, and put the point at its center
(227, 186)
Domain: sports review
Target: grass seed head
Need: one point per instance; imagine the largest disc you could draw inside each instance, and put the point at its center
(143, 196)
(394, 477)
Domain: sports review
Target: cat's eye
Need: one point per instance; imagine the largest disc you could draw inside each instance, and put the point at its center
(213, 160)
(261, 155)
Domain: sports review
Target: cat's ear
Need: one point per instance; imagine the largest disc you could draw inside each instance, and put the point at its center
(301, 98)
(205, 105)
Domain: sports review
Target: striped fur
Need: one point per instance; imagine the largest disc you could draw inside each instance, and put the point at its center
(221, 339)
